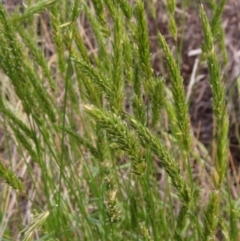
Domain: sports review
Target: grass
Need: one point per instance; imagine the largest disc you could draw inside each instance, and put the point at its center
(97, 147)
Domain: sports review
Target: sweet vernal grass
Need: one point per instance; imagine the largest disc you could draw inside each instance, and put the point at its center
(16, 65)
(216, 27)
(180, 103)
(91, 126)
(171, 5)
(10, 178)
(142, 41)
(219, 105)
(221, 128)
(117, 64)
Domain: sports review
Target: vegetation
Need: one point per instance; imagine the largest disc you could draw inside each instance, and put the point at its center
(99, 147)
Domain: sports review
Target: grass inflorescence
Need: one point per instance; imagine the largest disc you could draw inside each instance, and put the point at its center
(91, 129)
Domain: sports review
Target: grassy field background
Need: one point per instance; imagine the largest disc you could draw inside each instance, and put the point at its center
(119, 120)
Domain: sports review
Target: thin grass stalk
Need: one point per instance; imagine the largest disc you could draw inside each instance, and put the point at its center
(81, 140)
(61, 166)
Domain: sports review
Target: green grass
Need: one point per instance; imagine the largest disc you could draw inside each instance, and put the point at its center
(87, 123)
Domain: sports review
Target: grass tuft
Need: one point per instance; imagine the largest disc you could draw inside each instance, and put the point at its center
(92, 129)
